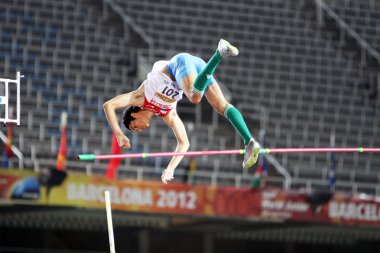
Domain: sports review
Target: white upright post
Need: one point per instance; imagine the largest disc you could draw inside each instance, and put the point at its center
(18, 97)
(109, 221)
(4, 100)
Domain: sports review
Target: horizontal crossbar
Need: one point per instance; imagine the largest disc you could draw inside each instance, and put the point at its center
(90, 157)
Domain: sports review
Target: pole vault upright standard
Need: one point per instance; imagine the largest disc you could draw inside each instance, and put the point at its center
(91, 157)
(4, 100)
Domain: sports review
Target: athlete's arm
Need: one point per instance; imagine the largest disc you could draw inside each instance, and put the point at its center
(183, 144)
(133, 98)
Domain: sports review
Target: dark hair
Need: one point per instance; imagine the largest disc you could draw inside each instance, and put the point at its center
(127, 117)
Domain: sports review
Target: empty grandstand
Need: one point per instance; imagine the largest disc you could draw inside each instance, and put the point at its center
(307, 76)
(294, 78)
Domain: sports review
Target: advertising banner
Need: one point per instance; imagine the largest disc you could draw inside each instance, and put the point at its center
(58, 188)
(320, 206)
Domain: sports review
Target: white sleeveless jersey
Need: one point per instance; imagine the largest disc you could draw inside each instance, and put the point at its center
(160, 91)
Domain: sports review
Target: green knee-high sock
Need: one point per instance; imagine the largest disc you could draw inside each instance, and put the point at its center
(201, 81)
(236, 119)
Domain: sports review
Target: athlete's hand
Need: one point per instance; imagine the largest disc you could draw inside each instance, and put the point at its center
(123, 141)
(167, 175)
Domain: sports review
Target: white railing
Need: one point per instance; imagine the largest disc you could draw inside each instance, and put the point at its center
(214, 178)
(15, 150)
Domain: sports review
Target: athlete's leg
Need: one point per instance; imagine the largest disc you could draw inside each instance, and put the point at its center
(185, 68)
(225, 49)
(217, 100)
(187, 86)
(194, 74)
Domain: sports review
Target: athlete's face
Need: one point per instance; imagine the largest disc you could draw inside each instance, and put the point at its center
(140, 122)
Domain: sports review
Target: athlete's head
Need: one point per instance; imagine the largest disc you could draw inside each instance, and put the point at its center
(136, 119)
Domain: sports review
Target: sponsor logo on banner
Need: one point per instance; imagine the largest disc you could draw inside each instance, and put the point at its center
(354, 211)
(59, 188)
(135, 196)
(276, 204)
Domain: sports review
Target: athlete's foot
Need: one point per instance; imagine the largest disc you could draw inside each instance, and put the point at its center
(252, 151)
(226, 49)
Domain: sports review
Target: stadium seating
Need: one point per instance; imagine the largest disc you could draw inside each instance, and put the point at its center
(362, 16)
(70, 60)
(309, 86)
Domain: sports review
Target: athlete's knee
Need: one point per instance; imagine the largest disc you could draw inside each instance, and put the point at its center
(226, 109)
(195, 98)
(220, 106)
